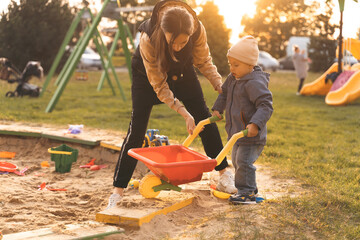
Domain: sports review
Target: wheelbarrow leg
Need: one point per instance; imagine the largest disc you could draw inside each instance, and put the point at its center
(166, 186)
(151, 185)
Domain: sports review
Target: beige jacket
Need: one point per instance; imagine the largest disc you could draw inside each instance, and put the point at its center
(201, 58)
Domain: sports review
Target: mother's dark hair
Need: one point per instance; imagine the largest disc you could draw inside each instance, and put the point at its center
(176, 20)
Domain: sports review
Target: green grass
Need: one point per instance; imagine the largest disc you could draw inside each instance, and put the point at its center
(309, 140)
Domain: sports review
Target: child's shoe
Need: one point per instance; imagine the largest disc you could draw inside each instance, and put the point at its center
(226, 183)
(242, 199)
(113, 200)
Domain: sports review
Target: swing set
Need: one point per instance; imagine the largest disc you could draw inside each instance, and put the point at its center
(90, 32)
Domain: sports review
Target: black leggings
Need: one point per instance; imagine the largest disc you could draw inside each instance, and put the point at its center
(301, 84)
(210, 138)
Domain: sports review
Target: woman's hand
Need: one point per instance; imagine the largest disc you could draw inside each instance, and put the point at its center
(219, 89)
(189, 120)
(190, 124)
(253, 130)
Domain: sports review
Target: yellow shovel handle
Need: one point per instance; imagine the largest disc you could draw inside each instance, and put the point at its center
(59, 152)
(198, 129)
(229, 145)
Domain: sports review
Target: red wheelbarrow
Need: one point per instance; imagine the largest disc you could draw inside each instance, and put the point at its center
(177, 164)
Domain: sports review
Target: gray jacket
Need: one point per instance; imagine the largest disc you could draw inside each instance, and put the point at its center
(246, 100)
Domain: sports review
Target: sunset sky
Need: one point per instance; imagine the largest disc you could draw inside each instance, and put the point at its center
(233, 10)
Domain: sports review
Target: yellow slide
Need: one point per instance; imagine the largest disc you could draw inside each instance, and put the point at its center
(352, 45)
(347, 93)
(319, 87)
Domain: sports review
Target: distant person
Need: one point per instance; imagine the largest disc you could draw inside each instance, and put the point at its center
(247, 102)
(301, 66)
(172, 43)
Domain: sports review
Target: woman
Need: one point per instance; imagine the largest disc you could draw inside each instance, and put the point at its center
(172, 42)
(301, 66)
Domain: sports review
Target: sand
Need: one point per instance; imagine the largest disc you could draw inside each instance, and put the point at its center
(24, 207)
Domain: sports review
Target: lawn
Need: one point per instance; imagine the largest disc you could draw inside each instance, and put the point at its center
(307, 140)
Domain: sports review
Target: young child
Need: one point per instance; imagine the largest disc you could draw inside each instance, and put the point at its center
(247, 102)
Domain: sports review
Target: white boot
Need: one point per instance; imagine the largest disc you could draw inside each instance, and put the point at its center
(226, 183)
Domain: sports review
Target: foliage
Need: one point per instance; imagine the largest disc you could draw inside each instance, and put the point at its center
(217, 34)
(321, 53)
(321, 48)
(276, 21)
(34, 30)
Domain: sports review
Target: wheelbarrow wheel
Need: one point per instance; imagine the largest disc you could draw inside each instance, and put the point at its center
(147, 184)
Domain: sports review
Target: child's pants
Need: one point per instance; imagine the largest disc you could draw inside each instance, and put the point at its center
(243, 158)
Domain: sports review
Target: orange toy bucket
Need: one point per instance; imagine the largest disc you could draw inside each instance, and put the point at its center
(7, 167)
(174, 164)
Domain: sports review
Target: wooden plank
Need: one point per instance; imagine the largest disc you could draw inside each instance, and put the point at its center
(72, 140)
(90, 230)
(110, 146)
(28, 234)
(136, 217)
(91, 143)
(20, 133)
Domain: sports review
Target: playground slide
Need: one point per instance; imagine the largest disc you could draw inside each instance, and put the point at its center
(355, 67)
(347, 93)
(319, 87)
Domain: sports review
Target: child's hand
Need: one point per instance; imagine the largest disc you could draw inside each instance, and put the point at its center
(253, 130)
(216, 113)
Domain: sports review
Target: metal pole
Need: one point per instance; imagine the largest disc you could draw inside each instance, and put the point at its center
(62, 49)
(129, 36)
(76, 59)
(69, 60)
(111, 53)
(98, 47)
(109, 63)
(340, 44)
(124, 45)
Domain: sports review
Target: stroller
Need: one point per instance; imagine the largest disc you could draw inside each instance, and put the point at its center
(10, 73)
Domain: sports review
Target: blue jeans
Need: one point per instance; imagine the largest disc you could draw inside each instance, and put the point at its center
(243, 158)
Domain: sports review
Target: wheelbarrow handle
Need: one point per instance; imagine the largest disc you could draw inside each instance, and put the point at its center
(229, 145)
(198, 129)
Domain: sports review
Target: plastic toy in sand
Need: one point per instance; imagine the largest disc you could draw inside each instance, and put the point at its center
(225, 196)
(63, 156)
(75, 129)
(92, 166)
(154, 139)
(44, 164)
(9, 155)
(7, 167)
(43, 186)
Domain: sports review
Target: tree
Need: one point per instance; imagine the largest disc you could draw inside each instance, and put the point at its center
(322, 47)
(276, 21)
(322, 53)
(217, 34)
(34, 30)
